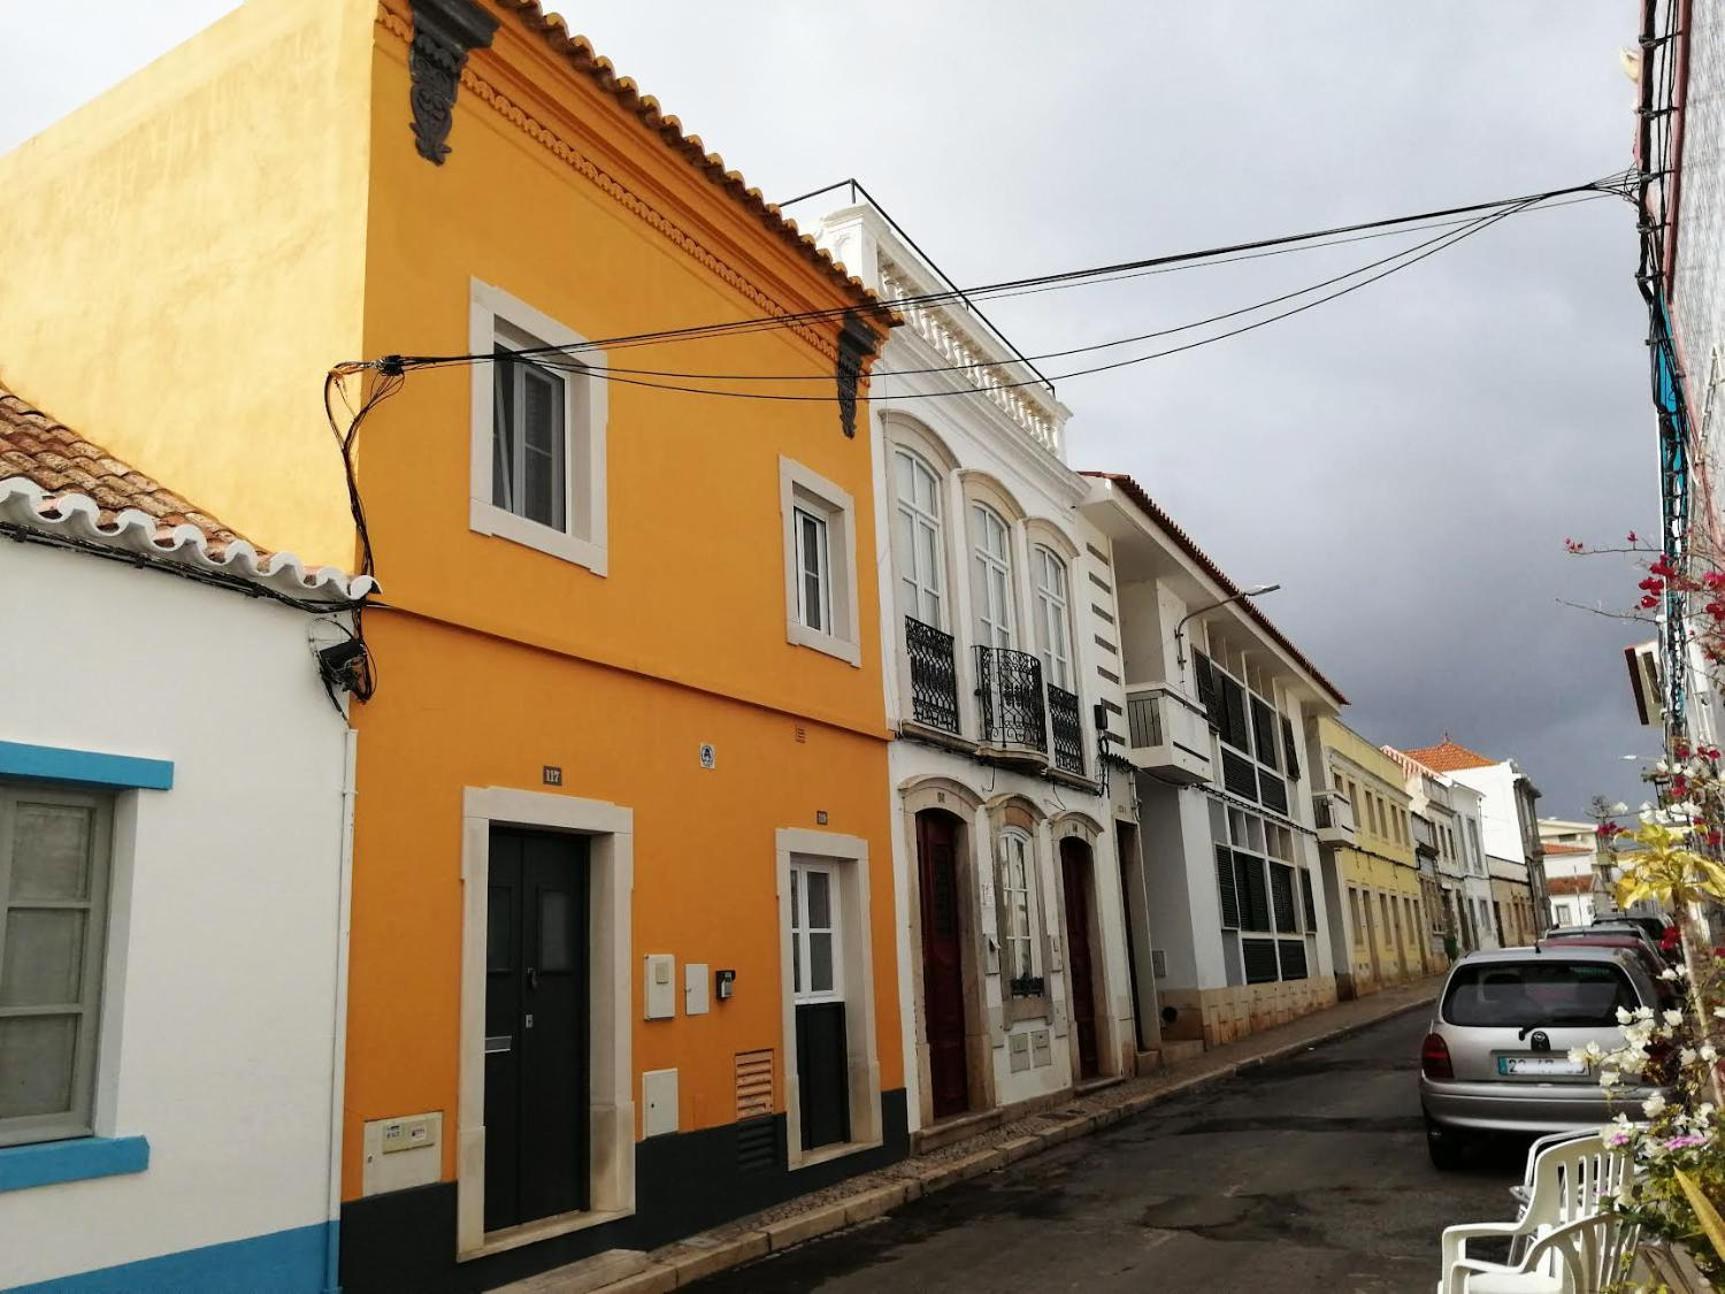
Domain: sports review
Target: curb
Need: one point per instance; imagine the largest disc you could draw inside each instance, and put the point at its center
(682, 1264)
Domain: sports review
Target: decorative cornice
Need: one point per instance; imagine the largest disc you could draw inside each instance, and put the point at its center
(577, 161)
(443, 33)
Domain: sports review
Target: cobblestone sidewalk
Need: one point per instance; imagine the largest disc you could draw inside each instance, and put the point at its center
(870, 1195)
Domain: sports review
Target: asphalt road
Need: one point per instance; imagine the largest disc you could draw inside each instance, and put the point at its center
(1307, 1175)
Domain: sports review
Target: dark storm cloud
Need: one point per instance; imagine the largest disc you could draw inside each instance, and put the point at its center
(1407, 461)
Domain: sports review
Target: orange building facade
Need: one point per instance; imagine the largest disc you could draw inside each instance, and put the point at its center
(621, 961)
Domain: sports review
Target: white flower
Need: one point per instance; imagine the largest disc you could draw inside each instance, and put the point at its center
(1654, 1105)
(1670, 973)
(1618, 809)
(1704, 1114)
(1609, 1078)
(1682, 969)
(1623, 1016)
(1673, 1018)
(1643, 1013)
(1577, 1056)
(1687, 1055)
(1660, 766)
(1709, 1052)
(1718, 1012)
(1594, 1051)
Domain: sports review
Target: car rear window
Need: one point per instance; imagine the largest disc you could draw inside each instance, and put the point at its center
(1543, 992)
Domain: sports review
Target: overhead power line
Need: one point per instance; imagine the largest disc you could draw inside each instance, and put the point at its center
(1609, 185)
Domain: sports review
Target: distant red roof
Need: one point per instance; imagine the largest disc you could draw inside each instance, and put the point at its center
(1132, 490)
(1552, 847)
(1448, 756)
(1569, 884)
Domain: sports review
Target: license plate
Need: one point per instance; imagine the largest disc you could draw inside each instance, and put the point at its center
(1542, 1065)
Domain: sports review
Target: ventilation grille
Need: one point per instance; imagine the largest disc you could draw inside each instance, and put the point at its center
(1159, 963)
(757, 1146)
(754, 1084)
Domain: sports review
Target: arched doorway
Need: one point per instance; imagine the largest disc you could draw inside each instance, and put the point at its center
(937, 835)
(1076, 882)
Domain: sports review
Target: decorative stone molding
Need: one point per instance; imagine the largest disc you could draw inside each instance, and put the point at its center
(565, 152)
(1003, 385)
(857, 343)
(443, 33)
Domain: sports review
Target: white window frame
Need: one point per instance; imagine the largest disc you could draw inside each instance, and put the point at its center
(993, 623)
(494, 315)
(802, 930)
(814, 561)
(924, 590)
(1009, 938)
(1052, 585)
(803, 490)
(79, 1119)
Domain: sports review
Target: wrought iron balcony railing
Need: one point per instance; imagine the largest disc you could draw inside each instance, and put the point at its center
(1066, 730)
(1009, 685)
(933, 675)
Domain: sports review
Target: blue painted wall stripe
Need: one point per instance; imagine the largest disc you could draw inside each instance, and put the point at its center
(88, 767)
(284, 1262)
(47, 1162)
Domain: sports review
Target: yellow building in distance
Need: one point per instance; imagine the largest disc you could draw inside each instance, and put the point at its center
(1378, 918)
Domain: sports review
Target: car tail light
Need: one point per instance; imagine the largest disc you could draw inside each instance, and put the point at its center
(1434, 1058)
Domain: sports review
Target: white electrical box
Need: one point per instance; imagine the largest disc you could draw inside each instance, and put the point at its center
(695, 978)
(402, 1152)
(658, 1102)
(660, 992)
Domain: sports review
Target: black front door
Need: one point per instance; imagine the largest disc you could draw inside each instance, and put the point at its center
(942, 963)
(536, 1043)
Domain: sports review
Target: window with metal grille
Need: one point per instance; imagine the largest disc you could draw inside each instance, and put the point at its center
(1259, 956)
(1293, 958)
(1282, 894)
(1226, 887)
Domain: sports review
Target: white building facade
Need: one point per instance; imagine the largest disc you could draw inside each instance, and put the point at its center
(1235, 931)
(1000, 647)
(174, 794)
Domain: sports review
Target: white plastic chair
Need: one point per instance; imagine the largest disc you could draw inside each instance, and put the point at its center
(1570, 1181)
(1522, 1192)
(1585, 1256)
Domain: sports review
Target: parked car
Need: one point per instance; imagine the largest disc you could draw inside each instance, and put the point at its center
(1628, 939)
(1497, 1057)
(1653, 927)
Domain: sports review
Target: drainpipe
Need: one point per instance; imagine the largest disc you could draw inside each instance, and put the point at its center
(338, 1039)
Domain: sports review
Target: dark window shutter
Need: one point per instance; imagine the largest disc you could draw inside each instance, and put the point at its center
(1293, 958)
(1235, 727)
(1230, 893)
(1306, 897)
(1290, 749)
(1259, 956)
(1264, 733)
(1208, 694)
(1254, 892)
(1282, 891)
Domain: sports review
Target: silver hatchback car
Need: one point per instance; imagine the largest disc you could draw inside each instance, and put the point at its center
(1497, 1057)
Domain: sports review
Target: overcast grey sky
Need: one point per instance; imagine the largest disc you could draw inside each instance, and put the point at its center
(1406, 461)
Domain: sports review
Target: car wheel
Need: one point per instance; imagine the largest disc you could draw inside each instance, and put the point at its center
(1445, 1146)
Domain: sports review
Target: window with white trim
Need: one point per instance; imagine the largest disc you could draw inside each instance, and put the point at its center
(820, 563)
(54, 862)
(1053, 617)
(538, 452)
(991, 564)
(814, 570)
(816, 967)
(916, 539)
(1018, 942)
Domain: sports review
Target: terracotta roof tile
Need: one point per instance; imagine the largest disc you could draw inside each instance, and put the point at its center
(1569, 884)
(579, 53)
(40, 449)
(1449, 756)
(1137, 494)
(1553, 847)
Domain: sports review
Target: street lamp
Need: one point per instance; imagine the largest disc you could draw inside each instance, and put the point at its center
(1257, 590)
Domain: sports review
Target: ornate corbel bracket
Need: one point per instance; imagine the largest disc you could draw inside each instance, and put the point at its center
(857, 343)
(443, 33)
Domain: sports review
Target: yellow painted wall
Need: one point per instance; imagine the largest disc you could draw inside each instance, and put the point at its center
(184, 262)
(1514, 899)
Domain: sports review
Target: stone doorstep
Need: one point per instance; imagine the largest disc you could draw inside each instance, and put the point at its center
(690, 1260)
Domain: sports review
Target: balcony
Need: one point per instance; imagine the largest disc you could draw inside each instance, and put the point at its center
(1067, 730)
(1425, 836)
(1009, 686)
(1335, 816)
(1167, 734)
(933, 676)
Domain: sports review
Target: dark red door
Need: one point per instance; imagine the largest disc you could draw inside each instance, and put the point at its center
(1075, 873)
(942, 964)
